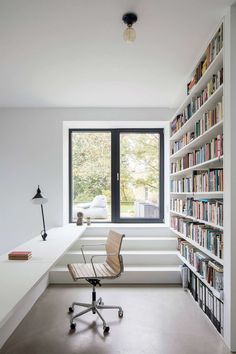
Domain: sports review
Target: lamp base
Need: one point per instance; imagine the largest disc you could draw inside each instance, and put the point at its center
(44, 235)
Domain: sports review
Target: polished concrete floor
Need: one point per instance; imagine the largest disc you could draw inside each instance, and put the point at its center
(157, 319)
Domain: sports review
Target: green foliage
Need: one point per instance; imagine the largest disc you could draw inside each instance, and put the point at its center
(91, 163)
(91, 156)
(139, 164)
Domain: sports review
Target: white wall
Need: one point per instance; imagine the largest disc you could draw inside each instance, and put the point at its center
(31, 153)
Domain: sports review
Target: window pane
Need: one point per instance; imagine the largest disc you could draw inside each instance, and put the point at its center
(139, 175)
(91, 174)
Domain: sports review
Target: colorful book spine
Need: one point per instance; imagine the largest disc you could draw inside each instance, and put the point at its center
(201, 181)
(205, 236)
(211, 271)
(212, 306)
(178, 205)
(206, 210)
(196, 102)
(208, 120)
(207, 152)
(212, 51)
(208, 181)
(182, 185)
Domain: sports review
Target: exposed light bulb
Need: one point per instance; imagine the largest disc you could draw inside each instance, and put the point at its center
(129, 35)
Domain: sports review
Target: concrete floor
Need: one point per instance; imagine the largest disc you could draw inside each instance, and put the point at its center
(157, 319)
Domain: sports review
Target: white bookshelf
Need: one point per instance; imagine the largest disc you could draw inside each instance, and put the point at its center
(213, 195)
(217, 162)
(213, 67)
(209, 104)
(196, 245)
(218, 227)
(211, 133)
(199, 141)
(218, 294)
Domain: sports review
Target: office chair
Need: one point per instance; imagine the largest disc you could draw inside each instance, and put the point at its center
(93, 273)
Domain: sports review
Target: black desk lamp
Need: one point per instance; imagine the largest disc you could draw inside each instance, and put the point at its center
(40, 200)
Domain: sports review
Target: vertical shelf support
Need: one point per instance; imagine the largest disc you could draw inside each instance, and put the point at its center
(230, 177)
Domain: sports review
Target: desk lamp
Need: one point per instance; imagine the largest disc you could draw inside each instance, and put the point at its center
(40, 200)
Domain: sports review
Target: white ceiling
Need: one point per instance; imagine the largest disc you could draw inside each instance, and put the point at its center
(70, 53)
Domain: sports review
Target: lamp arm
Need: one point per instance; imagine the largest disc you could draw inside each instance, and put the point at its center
(44, 234)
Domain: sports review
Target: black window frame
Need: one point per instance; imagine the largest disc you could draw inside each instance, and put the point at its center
(115, 169)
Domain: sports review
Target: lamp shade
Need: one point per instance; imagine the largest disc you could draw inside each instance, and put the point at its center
(38, 198)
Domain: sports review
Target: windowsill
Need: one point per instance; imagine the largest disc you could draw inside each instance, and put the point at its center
(128, 225)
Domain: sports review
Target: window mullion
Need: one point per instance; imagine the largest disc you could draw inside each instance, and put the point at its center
(115, 182)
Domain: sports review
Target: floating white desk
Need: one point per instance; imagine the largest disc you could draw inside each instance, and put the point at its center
(19, 279)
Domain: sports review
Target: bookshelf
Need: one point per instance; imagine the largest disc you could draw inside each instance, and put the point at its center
(215, 226)
(214, 66)
(195, 244)
(217, 294)
(213, 195)
(199, 141)
(196, 165)
(210, 103)
(216, 162)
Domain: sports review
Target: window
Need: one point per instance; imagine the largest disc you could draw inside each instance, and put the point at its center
(116, 175)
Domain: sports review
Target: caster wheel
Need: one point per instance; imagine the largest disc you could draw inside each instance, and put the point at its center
(72, 326)
(71, 309)
(94, 312)
(101, 303)
(106, 329)
(120, 314)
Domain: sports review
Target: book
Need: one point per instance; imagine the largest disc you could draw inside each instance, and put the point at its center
(203, 235)
(216, 266)
(216, 271)
(210, 210)
(208, 120)
(207, 301)
(207, 152)
(210, 270)
(211, 180)
(19, 255)
(183, 185)
(196, 102)
(210, 54)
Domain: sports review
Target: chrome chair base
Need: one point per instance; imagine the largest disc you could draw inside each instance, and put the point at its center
(93, 307)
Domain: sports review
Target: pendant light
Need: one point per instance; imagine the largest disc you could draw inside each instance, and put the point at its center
(129, 34)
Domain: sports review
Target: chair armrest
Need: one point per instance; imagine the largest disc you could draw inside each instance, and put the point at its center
(104, 255)
(101, 255)
(91, 245)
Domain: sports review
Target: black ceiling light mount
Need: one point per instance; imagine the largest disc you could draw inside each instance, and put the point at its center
(129, 19)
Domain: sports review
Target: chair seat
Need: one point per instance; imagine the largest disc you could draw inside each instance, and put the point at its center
(85, 271)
